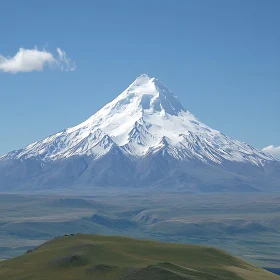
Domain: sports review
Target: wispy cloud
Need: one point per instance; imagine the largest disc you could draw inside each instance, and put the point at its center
(29, 60)
(64, 62)
(275, 151)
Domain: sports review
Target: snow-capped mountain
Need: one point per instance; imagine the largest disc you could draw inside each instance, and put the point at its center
(143, 137)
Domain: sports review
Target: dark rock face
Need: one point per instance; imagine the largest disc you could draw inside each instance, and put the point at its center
(70, 261)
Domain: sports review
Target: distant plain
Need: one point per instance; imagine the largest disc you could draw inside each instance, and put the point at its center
(247, 225)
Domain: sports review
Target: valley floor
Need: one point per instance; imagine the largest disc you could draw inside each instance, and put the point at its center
(245, 225)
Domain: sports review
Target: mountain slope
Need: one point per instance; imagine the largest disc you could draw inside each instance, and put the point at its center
(100, 257)
(144, 137)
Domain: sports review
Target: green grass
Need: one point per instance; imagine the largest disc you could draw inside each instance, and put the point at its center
(82, 257)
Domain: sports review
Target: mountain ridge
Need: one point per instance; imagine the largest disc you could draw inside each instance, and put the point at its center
(144, 121)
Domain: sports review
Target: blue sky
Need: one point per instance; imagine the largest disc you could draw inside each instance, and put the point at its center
(221, 58)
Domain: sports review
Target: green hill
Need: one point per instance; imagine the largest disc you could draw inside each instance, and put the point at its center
(82, 257)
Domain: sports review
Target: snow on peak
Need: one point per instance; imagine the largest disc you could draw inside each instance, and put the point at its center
(142, 79)
(146, 117)
(151, 94)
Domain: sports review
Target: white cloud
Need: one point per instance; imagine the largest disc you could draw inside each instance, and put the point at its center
(28, 60)
(275, 151)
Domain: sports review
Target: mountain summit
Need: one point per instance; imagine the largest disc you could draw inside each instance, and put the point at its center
(152, 95)
(144, 137)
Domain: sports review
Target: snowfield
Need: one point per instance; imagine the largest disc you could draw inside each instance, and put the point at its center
(143, 119)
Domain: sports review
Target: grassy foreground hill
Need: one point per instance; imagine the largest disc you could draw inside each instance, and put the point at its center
(84, 257)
